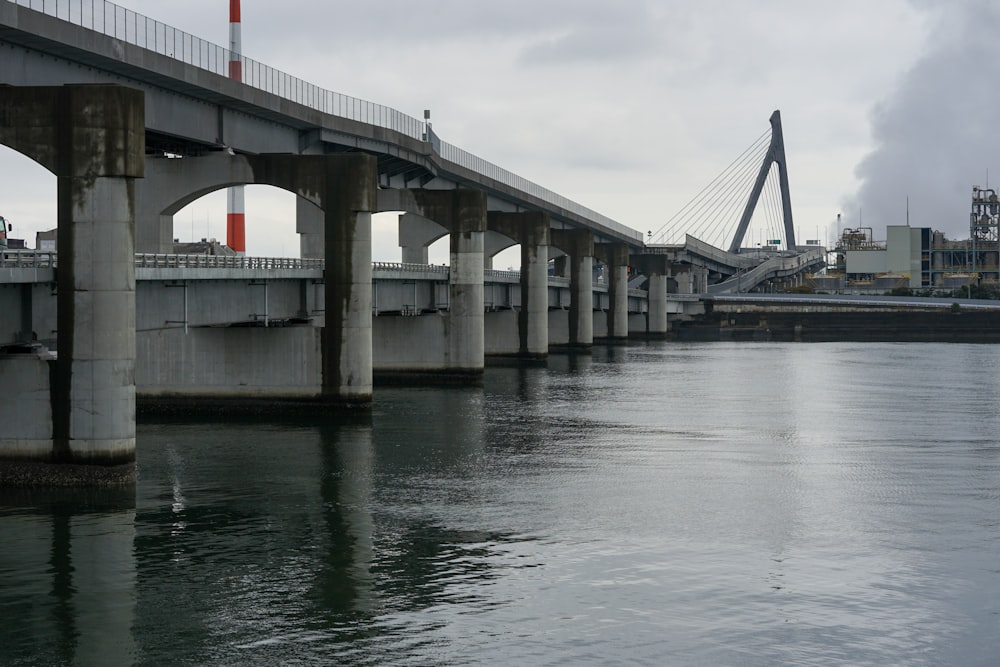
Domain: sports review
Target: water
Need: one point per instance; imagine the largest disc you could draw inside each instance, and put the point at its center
(684, 504)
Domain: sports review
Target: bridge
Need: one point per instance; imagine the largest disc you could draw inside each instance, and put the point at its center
(137, 119)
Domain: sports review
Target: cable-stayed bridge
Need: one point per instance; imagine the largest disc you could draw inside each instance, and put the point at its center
(747, 210)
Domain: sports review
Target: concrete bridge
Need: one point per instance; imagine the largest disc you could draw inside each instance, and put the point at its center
(136, 120)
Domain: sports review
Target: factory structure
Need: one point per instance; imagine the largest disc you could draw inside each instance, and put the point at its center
(918, 258)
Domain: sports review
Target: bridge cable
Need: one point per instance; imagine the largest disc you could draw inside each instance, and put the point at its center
(723, 187)
(699, 218)
(702, 198)
(734, 196)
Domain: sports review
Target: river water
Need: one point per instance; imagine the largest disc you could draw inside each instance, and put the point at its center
(651, 504)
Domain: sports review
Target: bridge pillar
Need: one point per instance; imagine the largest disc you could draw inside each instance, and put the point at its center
(615, 257)
(344, 186)
(656, 268)
(463, 213)
(533, 231)
(579, 245)
(93, 139)
(690, 279)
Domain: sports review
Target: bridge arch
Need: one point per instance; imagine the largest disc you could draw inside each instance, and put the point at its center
(27, 195)
(172, 184)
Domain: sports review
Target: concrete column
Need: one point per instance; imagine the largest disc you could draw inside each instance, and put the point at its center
(656, 322)
(579, 244)
(93, 139)
(345, 187)
(309, 224)
(94, 410)
(533, 321)
(615, 256)
(656, 268)
(682, 275)
(463, 213)
(533, 232)
(466, 339)
(347, 336)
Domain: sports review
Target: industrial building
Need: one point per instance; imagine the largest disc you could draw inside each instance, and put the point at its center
(918, 257)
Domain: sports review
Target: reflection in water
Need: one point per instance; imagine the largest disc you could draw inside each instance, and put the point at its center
(68, 572)
(656, 503)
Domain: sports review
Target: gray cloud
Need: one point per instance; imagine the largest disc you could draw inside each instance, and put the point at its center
(936, 134)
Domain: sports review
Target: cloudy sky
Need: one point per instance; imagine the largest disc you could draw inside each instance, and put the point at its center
(632, 107)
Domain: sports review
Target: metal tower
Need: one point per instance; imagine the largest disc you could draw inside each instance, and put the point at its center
(775, 155)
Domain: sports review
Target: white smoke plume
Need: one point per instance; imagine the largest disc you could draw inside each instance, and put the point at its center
(938, 133)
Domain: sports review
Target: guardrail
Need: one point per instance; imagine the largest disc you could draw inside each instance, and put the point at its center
(171, 261)
(27, 259)
(120, 23)
(400, 267)
(32, 259)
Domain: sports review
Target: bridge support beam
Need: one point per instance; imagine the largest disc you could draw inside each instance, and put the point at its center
(494, 243)
(463, 213)
(656, 268)
(92, 138)
(615, 257)
(579, 245)
(170, 184)
(416, 234)
(533, 231)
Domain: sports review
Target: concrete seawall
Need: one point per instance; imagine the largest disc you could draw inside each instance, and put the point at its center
(875, 326)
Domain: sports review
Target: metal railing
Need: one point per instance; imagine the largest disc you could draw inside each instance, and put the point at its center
(27, 259)
(32, 259)
(120, 23)
(399, 267)
(172, 261)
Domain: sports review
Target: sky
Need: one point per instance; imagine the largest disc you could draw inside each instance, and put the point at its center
(631, 108)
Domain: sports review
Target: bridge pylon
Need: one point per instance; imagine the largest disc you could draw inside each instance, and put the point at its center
(775, 155)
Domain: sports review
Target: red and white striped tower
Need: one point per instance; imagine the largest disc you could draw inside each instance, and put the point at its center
(235, 212)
